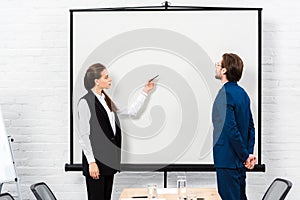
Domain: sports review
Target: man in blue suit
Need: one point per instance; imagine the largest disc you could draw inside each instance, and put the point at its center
(234, 133)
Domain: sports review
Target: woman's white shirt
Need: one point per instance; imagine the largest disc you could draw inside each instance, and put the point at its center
(84, 116)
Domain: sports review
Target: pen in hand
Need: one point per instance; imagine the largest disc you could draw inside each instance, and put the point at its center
(153, 78)
(149, 85)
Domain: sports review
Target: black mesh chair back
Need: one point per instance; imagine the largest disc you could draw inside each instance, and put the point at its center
(6, 196)
(278, 189)
(42, 192)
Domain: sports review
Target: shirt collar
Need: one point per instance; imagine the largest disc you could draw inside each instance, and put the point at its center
(100, 97)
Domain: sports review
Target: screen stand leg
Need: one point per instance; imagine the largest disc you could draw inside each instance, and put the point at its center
(165, 179)
(17, 180)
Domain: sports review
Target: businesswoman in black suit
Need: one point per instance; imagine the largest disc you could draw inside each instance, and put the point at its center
(100, 133)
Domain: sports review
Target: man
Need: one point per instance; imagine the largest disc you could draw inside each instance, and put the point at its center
(234, 133)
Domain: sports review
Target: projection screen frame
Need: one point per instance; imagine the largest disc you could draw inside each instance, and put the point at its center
(171, 167)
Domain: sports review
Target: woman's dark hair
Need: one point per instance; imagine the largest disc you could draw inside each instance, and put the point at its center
(92, 73)
(234, 66)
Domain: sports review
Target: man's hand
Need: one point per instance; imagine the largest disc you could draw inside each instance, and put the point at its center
(250, 162)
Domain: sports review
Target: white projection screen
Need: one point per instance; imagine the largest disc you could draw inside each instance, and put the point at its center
(174, 128)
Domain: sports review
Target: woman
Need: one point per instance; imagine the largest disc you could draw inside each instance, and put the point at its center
(100, 133)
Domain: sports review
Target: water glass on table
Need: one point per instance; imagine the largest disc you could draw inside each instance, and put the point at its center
(152, 191)
(181, 186)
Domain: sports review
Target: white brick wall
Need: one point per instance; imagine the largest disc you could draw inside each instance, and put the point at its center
(34, 65)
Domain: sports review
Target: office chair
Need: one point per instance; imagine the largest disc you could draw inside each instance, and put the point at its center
(278, 189)
(42, 192)
(6, 196)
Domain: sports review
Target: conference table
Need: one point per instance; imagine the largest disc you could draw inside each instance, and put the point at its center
(170, 193)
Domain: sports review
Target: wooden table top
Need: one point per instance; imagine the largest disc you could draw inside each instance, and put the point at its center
(171, 193)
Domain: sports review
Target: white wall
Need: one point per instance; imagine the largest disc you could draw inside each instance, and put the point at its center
(34, 65)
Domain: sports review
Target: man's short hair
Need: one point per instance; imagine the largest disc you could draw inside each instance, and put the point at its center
(233, 65)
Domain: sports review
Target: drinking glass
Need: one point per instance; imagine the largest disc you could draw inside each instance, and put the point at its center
(181, 186)
(152, 191)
